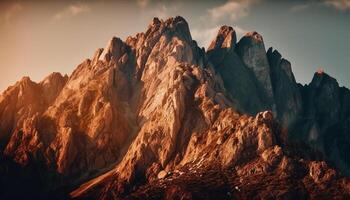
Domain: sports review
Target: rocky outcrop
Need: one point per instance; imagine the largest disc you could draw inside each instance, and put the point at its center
(324, 123)
(251, 50)
(74, 126)
(256, 80)
(287, 96)
(25, 100)
(225, 42)
(239, 81)
(156, 110)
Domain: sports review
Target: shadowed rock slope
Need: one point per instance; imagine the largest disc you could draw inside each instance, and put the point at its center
(157, 117)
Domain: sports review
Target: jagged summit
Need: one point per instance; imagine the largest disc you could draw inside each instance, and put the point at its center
(155, 22)
(226, 38)
(253, 37)
(25, 79)
(114, 50)
(177, 25)
(274, 53)
(321, 79)
(251, 50)
(320, 73)
(154, 115)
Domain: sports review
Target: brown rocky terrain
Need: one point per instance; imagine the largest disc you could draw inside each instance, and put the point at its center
(157, 117)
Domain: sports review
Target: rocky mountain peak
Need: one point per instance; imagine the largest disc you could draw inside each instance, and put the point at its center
(25, 82)
(251, 41)
(320, 71)
(156, 116)
(285, 89)
(52, 85)
(114, 50)
(321, 78)
(251, 50)
(273, 53)
(155, 22)
(25, 79)
(254, 37)
(276, 61)
(178, 26)
(226, 38)
(54, 77)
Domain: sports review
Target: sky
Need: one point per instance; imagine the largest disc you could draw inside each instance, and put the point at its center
(40, 37)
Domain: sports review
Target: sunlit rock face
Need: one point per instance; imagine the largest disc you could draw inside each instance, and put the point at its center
(157, 113)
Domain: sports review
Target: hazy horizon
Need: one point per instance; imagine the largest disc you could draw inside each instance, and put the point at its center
(39, 38)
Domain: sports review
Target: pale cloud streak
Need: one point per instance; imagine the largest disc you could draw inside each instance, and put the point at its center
(72, 10)
(298, 8)
(232, 9)
(164, 11)
(342, 5)
(204, 37)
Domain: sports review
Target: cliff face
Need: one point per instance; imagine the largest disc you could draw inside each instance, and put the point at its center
(239, 81)
(156, 110)
(251, 50)
(325, 119)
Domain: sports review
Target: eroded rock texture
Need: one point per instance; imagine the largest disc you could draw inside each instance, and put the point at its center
(156, 116)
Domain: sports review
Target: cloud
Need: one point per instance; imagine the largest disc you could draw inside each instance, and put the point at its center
(12, 11)
(205, 36)
(232, 9)
(164, 11)
(342, 5)
(338, 4)
(300, 7)
(143, 3)
(72, 10)
(240, 31)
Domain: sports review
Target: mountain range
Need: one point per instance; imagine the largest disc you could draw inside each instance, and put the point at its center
(158, 117)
